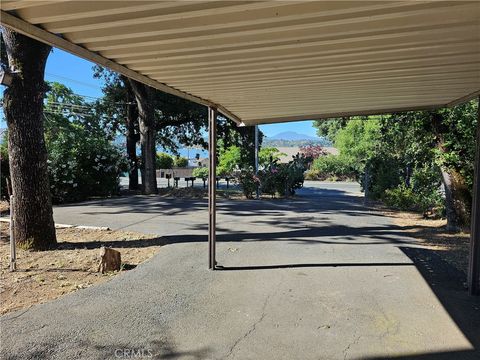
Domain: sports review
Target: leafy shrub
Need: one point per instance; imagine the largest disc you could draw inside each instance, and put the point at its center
(248, 182)
(332, 166)
(312, 152)
(200, 172)
(229, 160)
(4, 167)
(267, 155)
(283, 179)
(319, 176)
(164, 161)
(407, 198)
(383, 173)
(180, 162)
(82, 165)
(401, 197)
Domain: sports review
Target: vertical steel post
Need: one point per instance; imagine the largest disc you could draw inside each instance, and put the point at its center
(474, 261)
(212, 189)
(256, 157)
(13, 250)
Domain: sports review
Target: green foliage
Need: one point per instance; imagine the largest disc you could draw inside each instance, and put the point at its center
(230, 159)
(164, 161)
(403, 197)
(248, 181)
(4, 166)
(243, 138)
(357, 140)
(267, 155)
(82, 161)
(81, 166)
(329, 128)
(283, 179)
(398, 157)
(200, 172)
(180, 162)
(460, 124)
(331, 167)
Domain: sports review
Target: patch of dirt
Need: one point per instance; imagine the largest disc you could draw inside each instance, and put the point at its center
(46, 275)
(451, 247)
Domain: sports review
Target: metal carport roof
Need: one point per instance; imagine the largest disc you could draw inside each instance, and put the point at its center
(263, 62)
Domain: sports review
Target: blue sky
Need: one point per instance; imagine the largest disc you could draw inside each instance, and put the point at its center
(77, 74)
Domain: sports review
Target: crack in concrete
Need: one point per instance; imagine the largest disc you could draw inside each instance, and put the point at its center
(17, 316)
(251, 330)
(347, 349)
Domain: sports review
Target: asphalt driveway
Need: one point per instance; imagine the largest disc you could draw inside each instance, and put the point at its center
(316, 277)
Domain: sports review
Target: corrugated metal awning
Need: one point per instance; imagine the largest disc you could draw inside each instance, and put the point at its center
(264, 62)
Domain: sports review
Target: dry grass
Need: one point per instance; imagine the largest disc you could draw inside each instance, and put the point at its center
(451, 247)
(47, 275)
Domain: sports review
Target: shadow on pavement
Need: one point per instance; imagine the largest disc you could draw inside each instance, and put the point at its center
(446, 282)
(294, 266)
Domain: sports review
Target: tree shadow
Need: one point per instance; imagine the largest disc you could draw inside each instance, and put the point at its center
(331, 234)
(338, 200)
(296, 266)
(156, 349)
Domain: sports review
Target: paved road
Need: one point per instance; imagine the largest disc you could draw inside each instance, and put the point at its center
(317, 277)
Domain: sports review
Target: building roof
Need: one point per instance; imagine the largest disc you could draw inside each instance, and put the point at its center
(269, 61)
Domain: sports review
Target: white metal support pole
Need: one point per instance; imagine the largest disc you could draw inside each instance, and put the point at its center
(256, 157)
(13, 250)
(474, 261)
(212, 189)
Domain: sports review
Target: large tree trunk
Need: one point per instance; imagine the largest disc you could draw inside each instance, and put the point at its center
(132, 139)
(452, 219)
(457, 195)
(23, 105)
(146, 122)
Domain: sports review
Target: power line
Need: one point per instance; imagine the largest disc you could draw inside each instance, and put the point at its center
(75, 81)
(72, 113)
(54, 103)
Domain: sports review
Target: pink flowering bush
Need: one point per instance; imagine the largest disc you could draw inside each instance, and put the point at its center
(283, 179)
(312, 152)
(248, 181)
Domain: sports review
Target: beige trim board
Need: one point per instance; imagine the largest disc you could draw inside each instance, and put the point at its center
(36, 33)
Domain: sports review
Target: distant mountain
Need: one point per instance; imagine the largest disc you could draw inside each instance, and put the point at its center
(294, 139)
(292, 135)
